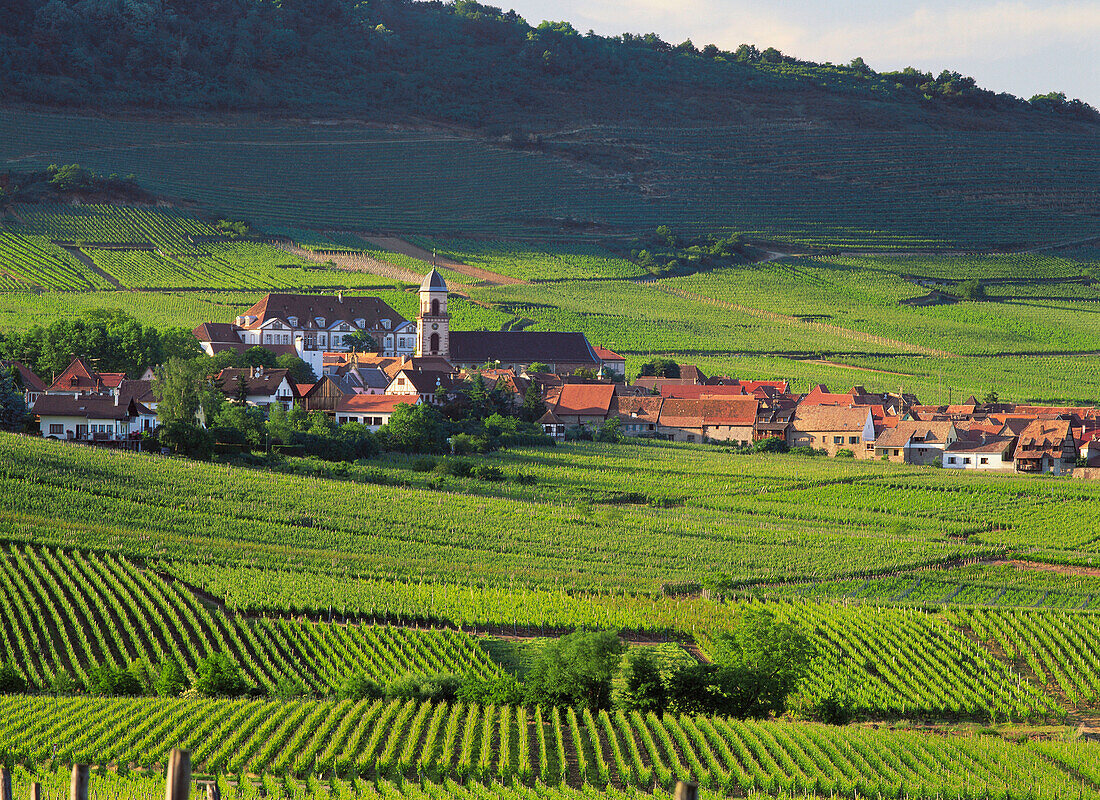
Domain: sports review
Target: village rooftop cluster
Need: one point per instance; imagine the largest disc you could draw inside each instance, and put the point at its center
(583, 388)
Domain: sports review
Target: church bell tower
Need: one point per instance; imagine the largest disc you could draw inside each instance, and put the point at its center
(433, 336)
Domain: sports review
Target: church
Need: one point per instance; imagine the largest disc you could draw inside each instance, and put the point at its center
(309, 326)
(564, 353)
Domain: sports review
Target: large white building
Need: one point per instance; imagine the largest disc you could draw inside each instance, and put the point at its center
(310, 325)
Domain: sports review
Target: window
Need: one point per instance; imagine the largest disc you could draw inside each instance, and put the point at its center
(341, 420)
(838, 440)
(376, 421)
(433, 343)
(57, 427)
(386, 324)
(952, 460)
(435, 307)
(985, 461)
(897, 452)
(966, 460)
(853, 440)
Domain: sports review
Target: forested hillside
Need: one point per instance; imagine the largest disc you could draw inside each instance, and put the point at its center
(460, 62)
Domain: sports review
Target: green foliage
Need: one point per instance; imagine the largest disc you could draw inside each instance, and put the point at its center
(443, 688)
(577, 669)
(11, 680)
(644, 688)
(13, 408)
(500, 691)
(217, 676)
(186, 439)
(171, 680)
(358, 686)
(415, 429)
(660, 368)
(288, 687)
(110, 681)
(360, 342)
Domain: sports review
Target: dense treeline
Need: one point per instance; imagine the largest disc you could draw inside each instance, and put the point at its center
(460, 61)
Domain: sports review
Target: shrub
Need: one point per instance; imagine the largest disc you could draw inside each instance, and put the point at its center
(423, 464)
(436, 688)
(487, 472)
(217, 676)
(844, 453)
(498, 691)
(288, 687)
(359, 686)
(11, 680)
(171, 680)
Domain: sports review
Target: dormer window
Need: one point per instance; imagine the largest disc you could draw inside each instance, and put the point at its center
(320, 321)
(344, 326)
(293, 321)
(277, 325)
(386, 324)
(360, 323)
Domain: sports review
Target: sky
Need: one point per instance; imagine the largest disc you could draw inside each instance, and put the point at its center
(1025, 47)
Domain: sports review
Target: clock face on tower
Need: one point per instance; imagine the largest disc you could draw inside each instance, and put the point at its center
(435, 326)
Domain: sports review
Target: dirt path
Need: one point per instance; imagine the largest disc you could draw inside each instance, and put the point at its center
(825, 363)
(483, 276)
(86, 260)
(1061, 569)
(354, 262)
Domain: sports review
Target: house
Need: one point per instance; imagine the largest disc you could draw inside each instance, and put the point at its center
(552, 426)
(638, 416)
(833, 428)
(773, 417)
(372, 410)
(91, 417)
(729, 419)
(681, 421)
(985, 452)
(264, 387)
(584, 404)
(78, 378)
(30, 384)
(309, 325)
(1046, 445)
(324, 395)
(428, 385)
(611, 361)
(914, 442)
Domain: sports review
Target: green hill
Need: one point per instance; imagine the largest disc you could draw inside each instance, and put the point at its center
(461, 119)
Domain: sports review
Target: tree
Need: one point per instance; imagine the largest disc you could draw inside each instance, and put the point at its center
(760, 662)
(360, 342)
(972, 289)
(13, 408)
(240, 390)
(533, 406)
(414, 429)
(660, 368)
(111, 681)
(478, 396)
(11, 680)
(358, 686)
(577, 669)
(187, 439)
(241, 425)
(171, 680)
(179, 343)
(176, 386)
(611, 431)
(537, 366)
(298, 371)
(991, 397)
(643, 689)
(217, 676)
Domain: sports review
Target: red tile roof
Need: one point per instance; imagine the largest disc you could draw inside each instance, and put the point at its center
(696, 391)
(77, 377)
(308, 307)
(585, 399)
(374, 403)
(739, 411)
(607, 355)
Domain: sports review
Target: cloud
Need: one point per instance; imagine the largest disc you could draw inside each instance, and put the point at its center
(1008, 45)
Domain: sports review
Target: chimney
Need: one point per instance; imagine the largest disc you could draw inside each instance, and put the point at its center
(339, 297)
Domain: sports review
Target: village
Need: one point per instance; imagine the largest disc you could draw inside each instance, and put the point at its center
(369, 361)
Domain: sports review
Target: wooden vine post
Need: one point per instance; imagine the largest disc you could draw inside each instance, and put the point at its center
(212, 790)
(687, 790)
(36, 791)
(5, 784)
(78, 786)
(178, 782)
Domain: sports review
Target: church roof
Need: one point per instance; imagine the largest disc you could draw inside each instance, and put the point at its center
(524, 347)
(433, 282)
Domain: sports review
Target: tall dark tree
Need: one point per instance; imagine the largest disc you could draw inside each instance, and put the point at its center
(13, 408)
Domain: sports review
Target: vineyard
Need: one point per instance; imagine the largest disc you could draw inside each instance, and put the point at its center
(805, 186)
(376, 740)
(104, 611)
